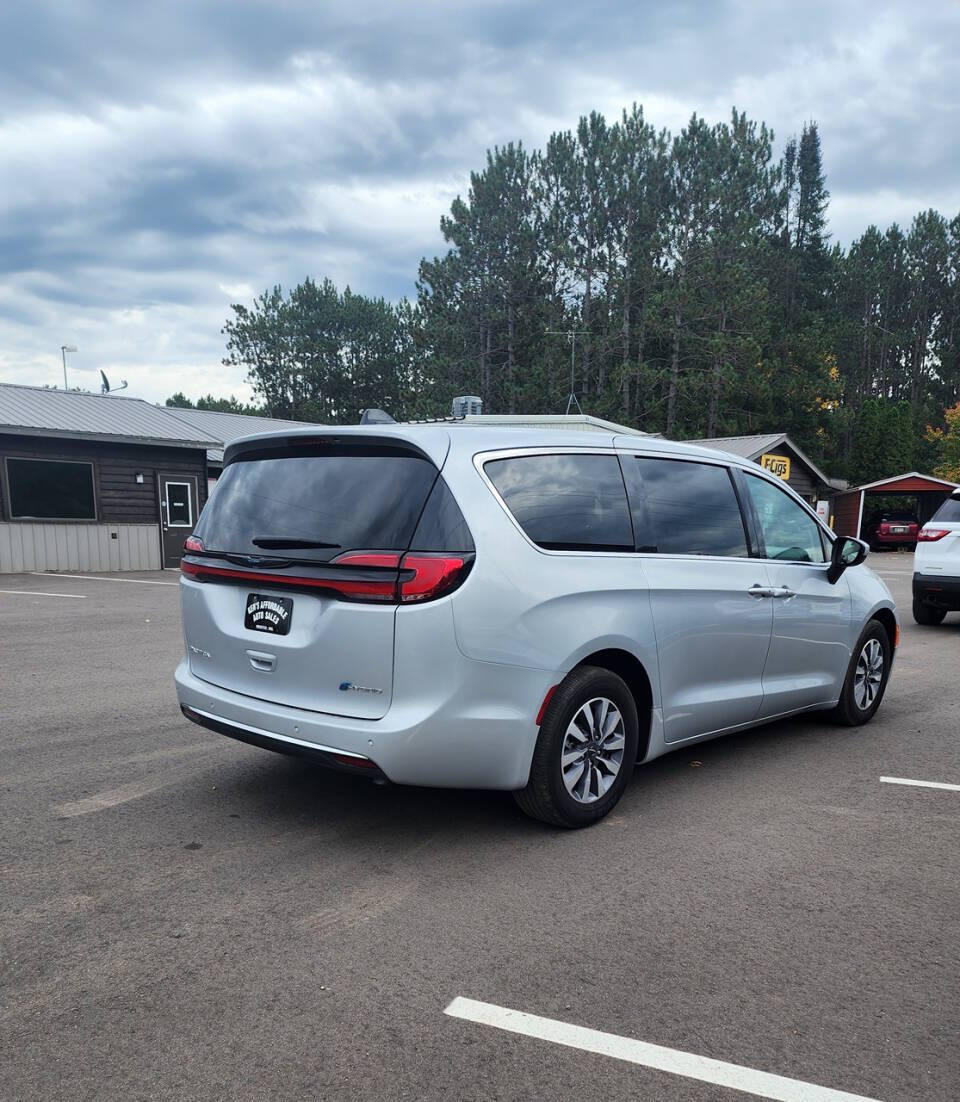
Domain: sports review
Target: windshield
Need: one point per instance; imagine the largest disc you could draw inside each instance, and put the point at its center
(315, 506)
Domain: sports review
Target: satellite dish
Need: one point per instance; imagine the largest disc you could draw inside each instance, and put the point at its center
(105, 387)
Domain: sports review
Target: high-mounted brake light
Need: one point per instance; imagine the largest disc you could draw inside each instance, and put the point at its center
(929, 535)
(191, 543)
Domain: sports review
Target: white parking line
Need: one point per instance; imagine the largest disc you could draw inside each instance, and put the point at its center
(115, 796)
(759, 1083)
(96, 578)
(38, 593)
(920, 784)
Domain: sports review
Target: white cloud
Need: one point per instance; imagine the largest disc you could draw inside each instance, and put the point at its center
(179, 166)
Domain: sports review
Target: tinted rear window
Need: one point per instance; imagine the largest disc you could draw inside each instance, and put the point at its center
(566, 502)
(949, 511)
(348, 501)
(683, 508)
(442, 527)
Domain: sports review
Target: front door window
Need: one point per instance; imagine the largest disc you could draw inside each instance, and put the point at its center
(789, 534)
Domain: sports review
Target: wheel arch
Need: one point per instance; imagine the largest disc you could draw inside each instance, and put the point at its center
(888, 619)
(628, 667)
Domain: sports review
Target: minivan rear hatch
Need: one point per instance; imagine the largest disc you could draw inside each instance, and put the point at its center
(291, 576)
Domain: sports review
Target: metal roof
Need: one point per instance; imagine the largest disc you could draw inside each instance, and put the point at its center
(226, 427)
(900, 478)
(749, 447)
(35, 411)
(746, 446)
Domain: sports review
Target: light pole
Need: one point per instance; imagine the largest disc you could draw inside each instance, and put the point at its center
(64, 349)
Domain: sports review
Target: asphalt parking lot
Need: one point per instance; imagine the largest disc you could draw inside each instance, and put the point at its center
(185, 917)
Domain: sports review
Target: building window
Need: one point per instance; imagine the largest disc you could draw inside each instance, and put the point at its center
(45, 489)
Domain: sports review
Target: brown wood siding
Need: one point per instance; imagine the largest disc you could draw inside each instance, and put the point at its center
(846, 512)
(120, 499)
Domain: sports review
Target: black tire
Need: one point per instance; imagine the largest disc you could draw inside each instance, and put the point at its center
(928, 615)
(848, 711)
(546, 796)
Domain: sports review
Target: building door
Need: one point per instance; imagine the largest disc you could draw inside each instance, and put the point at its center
(178, 515)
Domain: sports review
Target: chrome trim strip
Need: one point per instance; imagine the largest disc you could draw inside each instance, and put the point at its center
(481, 458)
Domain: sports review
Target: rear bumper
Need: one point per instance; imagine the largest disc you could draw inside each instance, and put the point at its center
(266, 740)
(881, 538)
(935, 590)
(475, 729)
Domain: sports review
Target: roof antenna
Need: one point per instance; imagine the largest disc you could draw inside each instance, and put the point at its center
(105, 385)
(571, 335)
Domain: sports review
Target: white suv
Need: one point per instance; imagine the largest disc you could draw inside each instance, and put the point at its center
(936, 578)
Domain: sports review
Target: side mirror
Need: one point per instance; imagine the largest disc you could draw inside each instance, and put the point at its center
(846, 552)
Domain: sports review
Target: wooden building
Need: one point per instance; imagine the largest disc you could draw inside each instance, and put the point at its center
(778, 454)
(853, 507)
(91, 482)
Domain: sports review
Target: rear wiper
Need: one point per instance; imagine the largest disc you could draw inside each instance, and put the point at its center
(280, 543)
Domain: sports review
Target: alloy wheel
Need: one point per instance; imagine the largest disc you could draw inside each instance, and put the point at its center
(593, 748)
(869, 674)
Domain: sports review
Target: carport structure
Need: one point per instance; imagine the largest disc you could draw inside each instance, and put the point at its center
(850, 506)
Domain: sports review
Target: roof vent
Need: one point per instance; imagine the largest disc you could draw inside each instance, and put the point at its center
(467, 404)
(375, 417)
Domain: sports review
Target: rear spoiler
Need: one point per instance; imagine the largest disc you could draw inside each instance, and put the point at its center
(359, 437)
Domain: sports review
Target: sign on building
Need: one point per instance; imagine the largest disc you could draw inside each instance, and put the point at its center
(776, 464)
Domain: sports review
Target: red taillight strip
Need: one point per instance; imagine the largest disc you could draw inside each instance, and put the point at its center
(417, 576)
(380, 590)
(432, 575)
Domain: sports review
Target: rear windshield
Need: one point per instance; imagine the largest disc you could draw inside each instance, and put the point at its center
(317, 505)
(949, 511)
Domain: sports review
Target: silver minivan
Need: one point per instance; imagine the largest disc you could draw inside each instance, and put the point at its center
(528, 610)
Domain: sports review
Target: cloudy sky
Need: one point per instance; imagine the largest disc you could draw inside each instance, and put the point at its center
(160, 161)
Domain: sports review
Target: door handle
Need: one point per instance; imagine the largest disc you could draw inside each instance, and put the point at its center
(760, 591)
(783, 593)
(265, 663)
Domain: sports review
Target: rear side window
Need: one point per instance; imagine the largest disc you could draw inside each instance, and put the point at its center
(949, 511)
(683, 508)
(566, 502)
(442, 527)
(317, 503)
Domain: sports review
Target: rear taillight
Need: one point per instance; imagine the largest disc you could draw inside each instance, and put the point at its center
(191, 543)
(884, 527)
(357, 589)
(415, 576)
(930, 535)
(432, 575)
